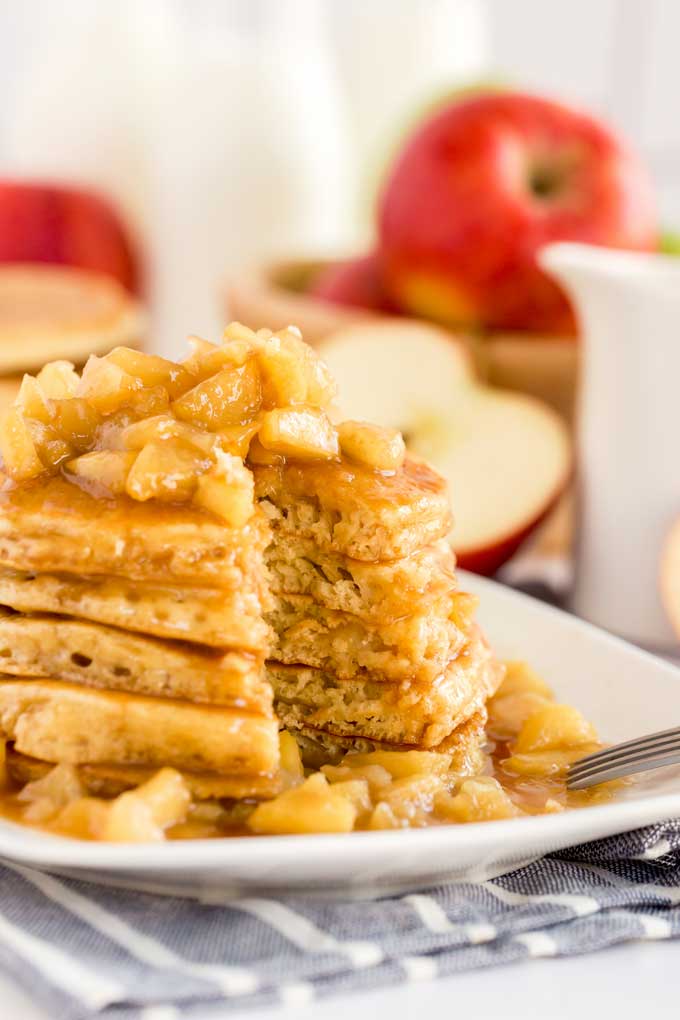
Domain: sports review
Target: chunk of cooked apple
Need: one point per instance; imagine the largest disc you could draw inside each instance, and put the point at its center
(304, 433)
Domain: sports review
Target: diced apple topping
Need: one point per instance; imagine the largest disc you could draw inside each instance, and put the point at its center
(164, 426)
(479, 799)
(108, 468)
(231, 397)
(75, 420)
(33, 400)
(167, 470)
(284, 373)
(46, 796)
(379, 448)
(142, 815)
(553, 727)
(301, 433)
(106, 386)
(141, 425)
(206, 359)
(321, 386)
(290, 762)
(52, 449)
(291, 372)
(236, 439)
(257, 454)
(237, 331)
(152, 370)
(18, 450)
(227, 490)
(58, 380)
(314, 806)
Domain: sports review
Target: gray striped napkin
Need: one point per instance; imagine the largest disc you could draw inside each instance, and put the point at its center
(83, 950)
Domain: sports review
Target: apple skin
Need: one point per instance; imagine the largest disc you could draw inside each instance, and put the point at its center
(482, 186)
(356, 283)
(67, 226)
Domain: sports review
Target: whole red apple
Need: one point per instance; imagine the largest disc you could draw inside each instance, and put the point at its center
(70, 226)
(482, 186)
(356, 283)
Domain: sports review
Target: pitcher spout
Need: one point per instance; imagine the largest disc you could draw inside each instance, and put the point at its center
(585, 269)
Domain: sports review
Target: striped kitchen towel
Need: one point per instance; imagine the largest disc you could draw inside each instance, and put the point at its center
(83, 950)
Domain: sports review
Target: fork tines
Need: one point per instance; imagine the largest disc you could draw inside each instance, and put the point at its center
(639, 755)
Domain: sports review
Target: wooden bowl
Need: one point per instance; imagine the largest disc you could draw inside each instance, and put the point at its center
(274, 295)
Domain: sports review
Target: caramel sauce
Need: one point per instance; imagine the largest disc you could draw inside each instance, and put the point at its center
(341, 482)
(228, 819)
(532, 794)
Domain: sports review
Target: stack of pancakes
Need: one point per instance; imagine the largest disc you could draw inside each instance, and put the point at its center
(132, 637)
(138, 604)
(375, 646)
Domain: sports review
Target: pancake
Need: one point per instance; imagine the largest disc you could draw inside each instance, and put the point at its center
(51, 311)
(62, 722)
(465, 745)
(399, 713)
(110, 780)
(54, 526)
(356, 511)
(378, 592)
(416, 647)
(106, 657)
(205, 615)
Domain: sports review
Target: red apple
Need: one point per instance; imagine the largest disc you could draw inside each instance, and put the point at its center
(482, 186)
(69, 226)
(356, 283)
(506, 456)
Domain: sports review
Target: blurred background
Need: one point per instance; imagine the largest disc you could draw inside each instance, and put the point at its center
(233, 130)
(222, 159)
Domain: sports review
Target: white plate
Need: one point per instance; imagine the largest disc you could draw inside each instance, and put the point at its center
(625, 692)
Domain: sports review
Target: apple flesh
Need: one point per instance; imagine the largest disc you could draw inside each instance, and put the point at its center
(482, 186)
(356, 283)
(506, 457)
(68, 226)
(669, 577)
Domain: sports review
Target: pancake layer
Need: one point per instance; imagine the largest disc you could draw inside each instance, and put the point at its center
(93, 655)
(406, 712)
(355, 511)
(64, 722)
(465, 746)
(378, 592)
(416, 647)
(208, 616)
(54, 526)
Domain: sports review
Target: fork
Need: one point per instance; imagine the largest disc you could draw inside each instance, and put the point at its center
(626, 759)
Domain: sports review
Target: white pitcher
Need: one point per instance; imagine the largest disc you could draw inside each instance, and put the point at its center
(628, 429)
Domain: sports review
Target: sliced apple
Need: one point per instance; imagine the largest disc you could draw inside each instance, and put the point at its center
(669, 576)
(506, 456)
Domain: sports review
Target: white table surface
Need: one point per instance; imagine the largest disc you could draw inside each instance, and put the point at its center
(630, 981)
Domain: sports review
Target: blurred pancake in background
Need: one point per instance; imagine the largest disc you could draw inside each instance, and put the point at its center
(50, 312)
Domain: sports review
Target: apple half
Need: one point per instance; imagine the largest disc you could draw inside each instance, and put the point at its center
(506, 456)
(669, 576)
